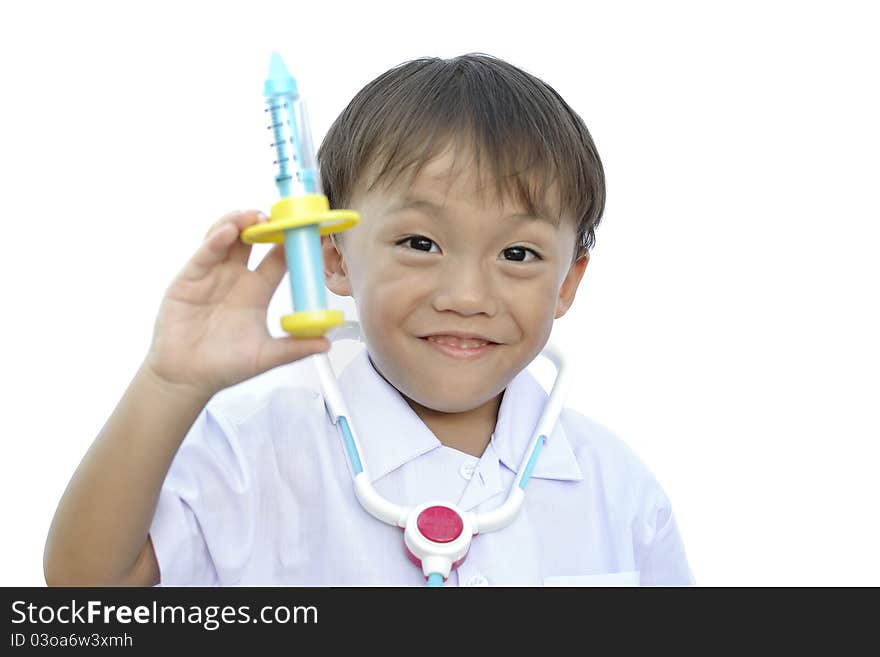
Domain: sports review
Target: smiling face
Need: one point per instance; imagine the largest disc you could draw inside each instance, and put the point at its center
(435, 257)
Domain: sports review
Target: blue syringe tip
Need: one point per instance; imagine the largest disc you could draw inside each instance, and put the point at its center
(279, 81)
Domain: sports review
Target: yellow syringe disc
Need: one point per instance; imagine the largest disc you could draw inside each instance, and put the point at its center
(311, 323)
(296, 211)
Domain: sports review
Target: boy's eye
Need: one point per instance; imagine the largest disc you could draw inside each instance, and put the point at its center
(518, 253)
(420, 241)
(424, 244)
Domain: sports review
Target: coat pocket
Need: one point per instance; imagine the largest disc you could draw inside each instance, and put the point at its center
(624, 578)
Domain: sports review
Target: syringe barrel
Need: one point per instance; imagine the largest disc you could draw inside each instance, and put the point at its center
(302, 246)
(296, 171)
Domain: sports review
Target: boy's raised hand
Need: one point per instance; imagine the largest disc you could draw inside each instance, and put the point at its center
(210, 332)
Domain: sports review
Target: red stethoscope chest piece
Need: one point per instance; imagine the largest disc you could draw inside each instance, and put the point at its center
(440, 524)
(437, 537)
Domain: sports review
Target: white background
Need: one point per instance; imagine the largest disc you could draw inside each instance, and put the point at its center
(727, 325)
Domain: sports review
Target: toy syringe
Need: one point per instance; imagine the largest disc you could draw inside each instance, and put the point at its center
(303, 214)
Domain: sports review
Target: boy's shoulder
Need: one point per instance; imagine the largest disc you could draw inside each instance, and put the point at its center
(290, 396)
(599, 450)
(283, 394)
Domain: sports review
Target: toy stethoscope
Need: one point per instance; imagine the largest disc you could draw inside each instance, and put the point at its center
(436, 534)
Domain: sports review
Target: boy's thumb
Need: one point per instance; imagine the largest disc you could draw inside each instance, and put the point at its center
(284, 350)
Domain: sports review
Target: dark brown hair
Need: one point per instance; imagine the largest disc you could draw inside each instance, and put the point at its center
(409, 114)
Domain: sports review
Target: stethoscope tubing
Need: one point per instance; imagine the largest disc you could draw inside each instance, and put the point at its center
(395, 514)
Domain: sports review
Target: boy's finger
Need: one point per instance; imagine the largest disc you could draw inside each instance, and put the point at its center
(241, 219)
(214, 250)
(226, 218)
(273, 267)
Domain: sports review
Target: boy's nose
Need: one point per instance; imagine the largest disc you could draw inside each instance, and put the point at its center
(466, 289)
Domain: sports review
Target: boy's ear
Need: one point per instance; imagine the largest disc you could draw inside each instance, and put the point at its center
(335, 271)
(570, 285)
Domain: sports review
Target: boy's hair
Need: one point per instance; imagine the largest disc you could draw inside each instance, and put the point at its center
(409, 114)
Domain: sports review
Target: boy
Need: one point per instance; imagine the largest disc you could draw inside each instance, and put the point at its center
(185, 487)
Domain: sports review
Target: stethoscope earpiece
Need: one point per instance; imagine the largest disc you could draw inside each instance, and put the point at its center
(348, 330)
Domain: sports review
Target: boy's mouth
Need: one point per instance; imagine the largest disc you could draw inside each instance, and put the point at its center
(461, 343)
(459, 348)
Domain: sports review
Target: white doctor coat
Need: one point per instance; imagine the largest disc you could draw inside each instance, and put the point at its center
(260, 493)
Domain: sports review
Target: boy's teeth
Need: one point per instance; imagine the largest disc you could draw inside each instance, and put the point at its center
(461, 343)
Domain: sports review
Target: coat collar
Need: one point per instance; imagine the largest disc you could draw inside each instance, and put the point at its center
(391, 434)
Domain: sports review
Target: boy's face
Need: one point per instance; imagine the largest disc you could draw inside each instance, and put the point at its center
(469, 269)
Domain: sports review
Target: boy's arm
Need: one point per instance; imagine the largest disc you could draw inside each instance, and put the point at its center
(664, 561)
(99, 535)
(210, 334)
